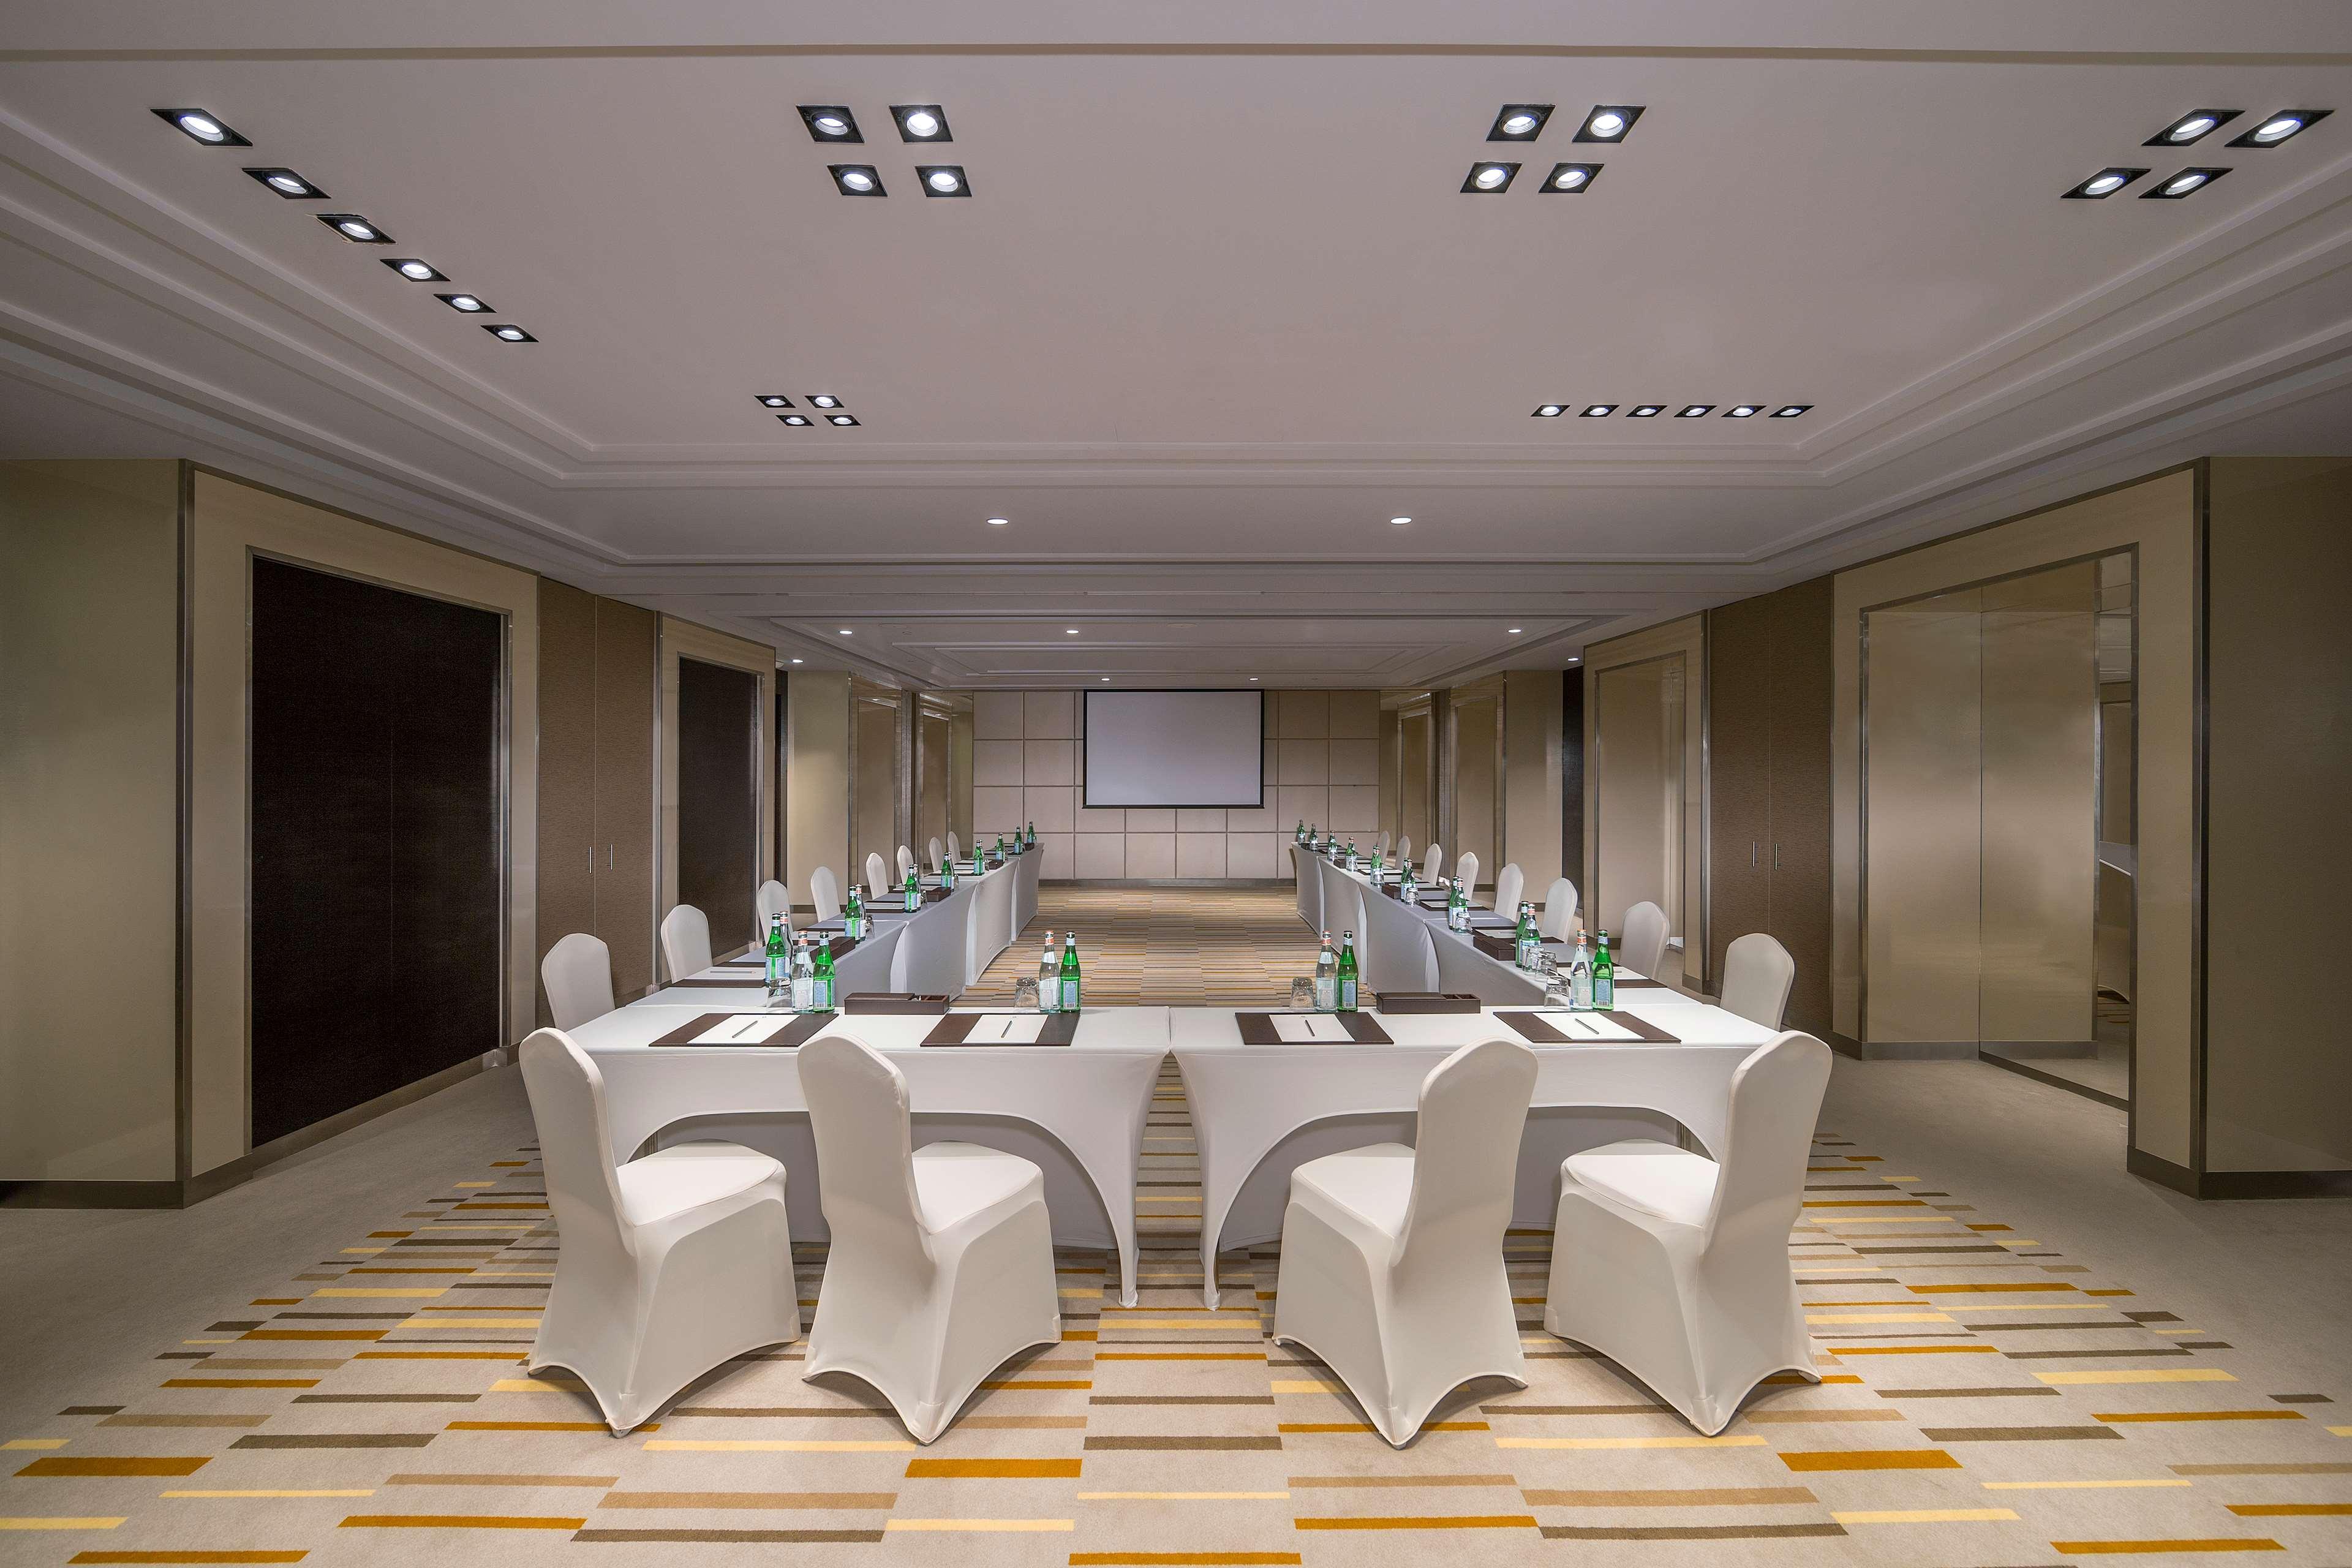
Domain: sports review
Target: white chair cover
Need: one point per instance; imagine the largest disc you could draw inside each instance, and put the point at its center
(1558, 917)
(906, 862)
(1433, 864)
(1381, 847)
(938, 864)
(942, 1258)
(671, 1265)
(1509, 885)
(825, 894)
(772, 902)
(578, 975)
(1465, 871)
(1405, 850)
(685, 942)
(1641, 945)
(877, 875)
(1392, 1257)
(955, 850)
(1676, 1266)
(1756, 974)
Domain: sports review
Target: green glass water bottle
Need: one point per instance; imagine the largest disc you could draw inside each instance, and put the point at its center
(1049, 978)
(1068, 1001)
(1530, 941)
(854, 920)
(1000, 849)
(914, 889)
(778, 969)
(821, 998)
(1347, 972)
(1604, 976)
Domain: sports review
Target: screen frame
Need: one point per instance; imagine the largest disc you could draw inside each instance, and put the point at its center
(1086, 713)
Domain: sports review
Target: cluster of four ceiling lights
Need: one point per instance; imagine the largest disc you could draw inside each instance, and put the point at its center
(918, 123)
(1688, 411)
(835, 414)
(1607, 122)
(2191, 128)
(208, 130)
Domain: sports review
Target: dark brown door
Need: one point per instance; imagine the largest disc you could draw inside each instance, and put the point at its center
(626, 657)
(1801, 711)
(718, 797)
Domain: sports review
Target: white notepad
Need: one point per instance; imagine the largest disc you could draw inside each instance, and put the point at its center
(1007, 1029)
(1309, 1028)
(1586, 1027)
(744, 1029)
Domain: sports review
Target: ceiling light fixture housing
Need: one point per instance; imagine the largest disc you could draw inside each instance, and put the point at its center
(1597, 411)
(2102, 185)
(2192, 127)
(1570, 179)
(202, 126)
(774, 400)
(2277, 129)
(856, 179)
(921, 123)
(1519, 123)
(1646, 411)
(998, 522)
(416, 270)
(1792, 410)
(507, 332)
(465, 302)
(355, 228)
(943, 179)
(830, 122)
(1609, 123)
(289, 185)
(1550, 411)
(1490, 179)
(795, 420)
(2181, 186)
(1743, 411)
(824, 400)
(1398, 522)
(842, 419)
(1694, 410)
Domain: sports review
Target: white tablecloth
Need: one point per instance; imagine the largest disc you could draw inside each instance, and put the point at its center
(1078, 1111)
(1260, 1111)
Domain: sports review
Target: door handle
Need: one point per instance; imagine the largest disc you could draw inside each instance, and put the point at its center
(1751, 854)
(1776, 857)
(608, 857)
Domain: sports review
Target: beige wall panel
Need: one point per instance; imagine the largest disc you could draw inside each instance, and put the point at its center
(1412, 778)
(996, 716)
(1355, 716)
(1049, 715)
(1641, 787)
(1531, 781)
(2156, 515)
(88, 820)
(229, 521)
(876, 773)
(960, 780)
(627, 716)
(1306, 715)
(1686, 638)
(817, 805)
(1477, 785)
(569, 850)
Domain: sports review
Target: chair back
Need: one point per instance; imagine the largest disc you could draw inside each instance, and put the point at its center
(825, 894)
(1641, 945)
(906, 861)
(1558, 911)
(1405, 850)
(685, 942)
(578, 975)
(955, 850)
(772, 902)
(1756, 974)
(1767, 1140)
(1474, 1108)
(865, 1154)
(1465, 871)
(1381, 847)
(938, 864)
(1432, 865)
(575, 1146)
(877, 875)
(1510, 884)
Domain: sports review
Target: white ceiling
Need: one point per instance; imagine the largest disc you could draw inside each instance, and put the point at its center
(1216, 311)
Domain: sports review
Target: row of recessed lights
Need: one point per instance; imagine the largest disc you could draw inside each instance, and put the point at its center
(918, 123)
(1688, 411)
(2274, 131)
(1607, 122)
(835, 414)
(209, 130)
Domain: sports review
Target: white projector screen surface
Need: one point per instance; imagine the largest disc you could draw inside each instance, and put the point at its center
(1175, 748)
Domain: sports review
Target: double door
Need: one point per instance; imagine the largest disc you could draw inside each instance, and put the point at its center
(597, 686)
(1768, 713)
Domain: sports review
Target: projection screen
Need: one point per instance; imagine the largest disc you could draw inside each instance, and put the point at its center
(1175, 748)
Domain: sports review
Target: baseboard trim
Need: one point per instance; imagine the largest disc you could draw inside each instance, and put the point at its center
(2162, 1172)
(90, 1195)
(2055, 1080)
(2227, 1186)
(1916, 1050)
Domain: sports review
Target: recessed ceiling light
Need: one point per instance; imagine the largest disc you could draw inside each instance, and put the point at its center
(1570, 179)
(2193, 126)
(507, 331)
(1106, 679)
(289, 185)
(824, 400)
(2104, 184)
(1571, 658)
(1646, 411)
(199, 125)
(1743, 411)
(1548, 411)
(1514, 631)
(2276, 128)
(796, 662)
(1597, 411)
(2187, 183)
(355, 228)
(1693, 410)
(839, 419)
(998, 522)
(1398, 522)
(774, 400)
(795, 420)
(858, 179)
(1609, 123)
(943, 179)
(845, 631)
(920, 122)
(1519, 123)
(415, 270)
(830, 122)
(465, 302)
(1792, 410)
(1490, 179)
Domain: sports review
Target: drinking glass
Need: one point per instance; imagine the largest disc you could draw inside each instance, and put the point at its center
(1302, 994)
(1024, 994)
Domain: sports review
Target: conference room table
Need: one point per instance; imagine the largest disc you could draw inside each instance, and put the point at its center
(939, 949)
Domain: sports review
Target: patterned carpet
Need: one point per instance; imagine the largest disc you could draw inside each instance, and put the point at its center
(373, 1409)
(1180, 947)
